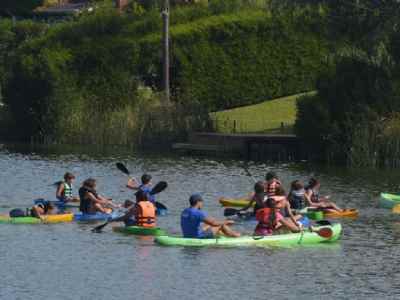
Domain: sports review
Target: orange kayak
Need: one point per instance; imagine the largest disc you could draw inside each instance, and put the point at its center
(346, 213)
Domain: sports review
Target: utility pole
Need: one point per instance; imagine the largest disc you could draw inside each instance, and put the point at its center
(165, 17)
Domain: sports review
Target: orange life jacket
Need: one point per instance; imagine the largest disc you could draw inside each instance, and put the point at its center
(262, 215)
(145, 214)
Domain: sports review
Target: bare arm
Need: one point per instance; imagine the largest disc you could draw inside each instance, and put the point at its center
(307, 197)
(60, 191)
(289, 209)
(214, 223)
(248, 205)
(290, 225)
(131, 212)
(133, 184)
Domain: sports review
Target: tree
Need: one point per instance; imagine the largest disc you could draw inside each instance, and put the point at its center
(19, 7)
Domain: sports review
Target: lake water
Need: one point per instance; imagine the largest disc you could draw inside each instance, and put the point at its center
(67, 261)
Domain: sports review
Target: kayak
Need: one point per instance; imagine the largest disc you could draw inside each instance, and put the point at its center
(49, 219)
(345, 213)
(315, 214)
(281, 240)
(94, 217)
(389, 200)
(229, 202)
(139, 230)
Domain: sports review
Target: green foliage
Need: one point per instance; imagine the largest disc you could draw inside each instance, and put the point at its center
(80, 77)
(16, 7)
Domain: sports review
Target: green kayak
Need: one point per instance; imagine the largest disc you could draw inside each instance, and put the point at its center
(138, 230)
(389, 200)
(282, 240)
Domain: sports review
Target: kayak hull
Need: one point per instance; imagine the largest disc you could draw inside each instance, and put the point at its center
(138, 230)
(50, 219)
(80, 217)
(388, 200)
(229, 202)
(313, 214)
(319, 214)
(282, 240)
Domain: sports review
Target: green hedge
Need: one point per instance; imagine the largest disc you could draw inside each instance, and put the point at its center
(92, 66)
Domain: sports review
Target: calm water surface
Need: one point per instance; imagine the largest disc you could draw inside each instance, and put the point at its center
(67, 261)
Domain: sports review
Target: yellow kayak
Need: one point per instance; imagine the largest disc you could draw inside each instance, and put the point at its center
(49, 219)
(229, 202)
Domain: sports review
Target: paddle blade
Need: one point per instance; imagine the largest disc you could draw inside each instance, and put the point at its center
(159, 187)
(122, 168)
(99, 228)
(325, 232)
(396, 209)
(231, 212)
(160, 206)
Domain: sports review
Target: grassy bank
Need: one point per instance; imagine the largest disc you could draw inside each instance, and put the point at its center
(265, 117)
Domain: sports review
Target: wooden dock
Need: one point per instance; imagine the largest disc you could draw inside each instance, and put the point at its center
(248, 146)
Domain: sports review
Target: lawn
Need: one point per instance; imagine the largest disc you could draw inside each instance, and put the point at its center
(266, 117)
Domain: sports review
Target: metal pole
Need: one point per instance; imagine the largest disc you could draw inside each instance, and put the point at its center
(166, 84)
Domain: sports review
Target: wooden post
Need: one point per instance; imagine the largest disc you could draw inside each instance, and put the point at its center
(166, 84)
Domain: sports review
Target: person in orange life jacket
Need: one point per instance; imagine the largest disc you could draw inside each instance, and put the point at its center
(257, 199)
(314, 200)
(91, 201)
(142, 213)
(193, 216)
(282, 203)
(271, 220)
(64, 189)
(146, 186)
(271, 184)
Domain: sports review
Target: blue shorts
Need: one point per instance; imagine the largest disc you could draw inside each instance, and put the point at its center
(208, 234)
(130, 222)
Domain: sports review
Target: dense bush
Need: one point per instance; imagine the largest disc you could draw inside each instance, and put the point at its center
(350, 114)
(80, 79)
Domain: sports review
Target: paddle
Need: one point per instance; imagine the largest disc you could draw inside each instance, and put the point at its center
(158, 188)
(123, 169)
(228, 212)
(249, 174)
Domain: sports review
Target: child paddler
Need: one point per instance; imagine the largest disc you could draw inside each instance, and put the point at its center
(142, 213)
(65, 189)
(258, 198)
(146, 186)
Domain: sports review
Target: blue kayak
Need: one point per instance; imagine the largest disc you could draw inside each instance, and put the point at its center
(94, 217)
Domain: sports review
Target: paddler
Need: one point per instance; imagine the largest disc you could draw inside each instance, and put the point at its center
(257, 199)
(39, 210)
(270, 220)
(193, 216)
(297, 195)
(64, 189)
(146, 186)
(282, 203)
(315, 200)
(272, 183)
(91, 201)
(142, 213)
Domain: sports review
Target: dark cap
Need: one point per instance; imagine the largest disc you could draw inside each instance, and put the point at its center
(195, 198)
